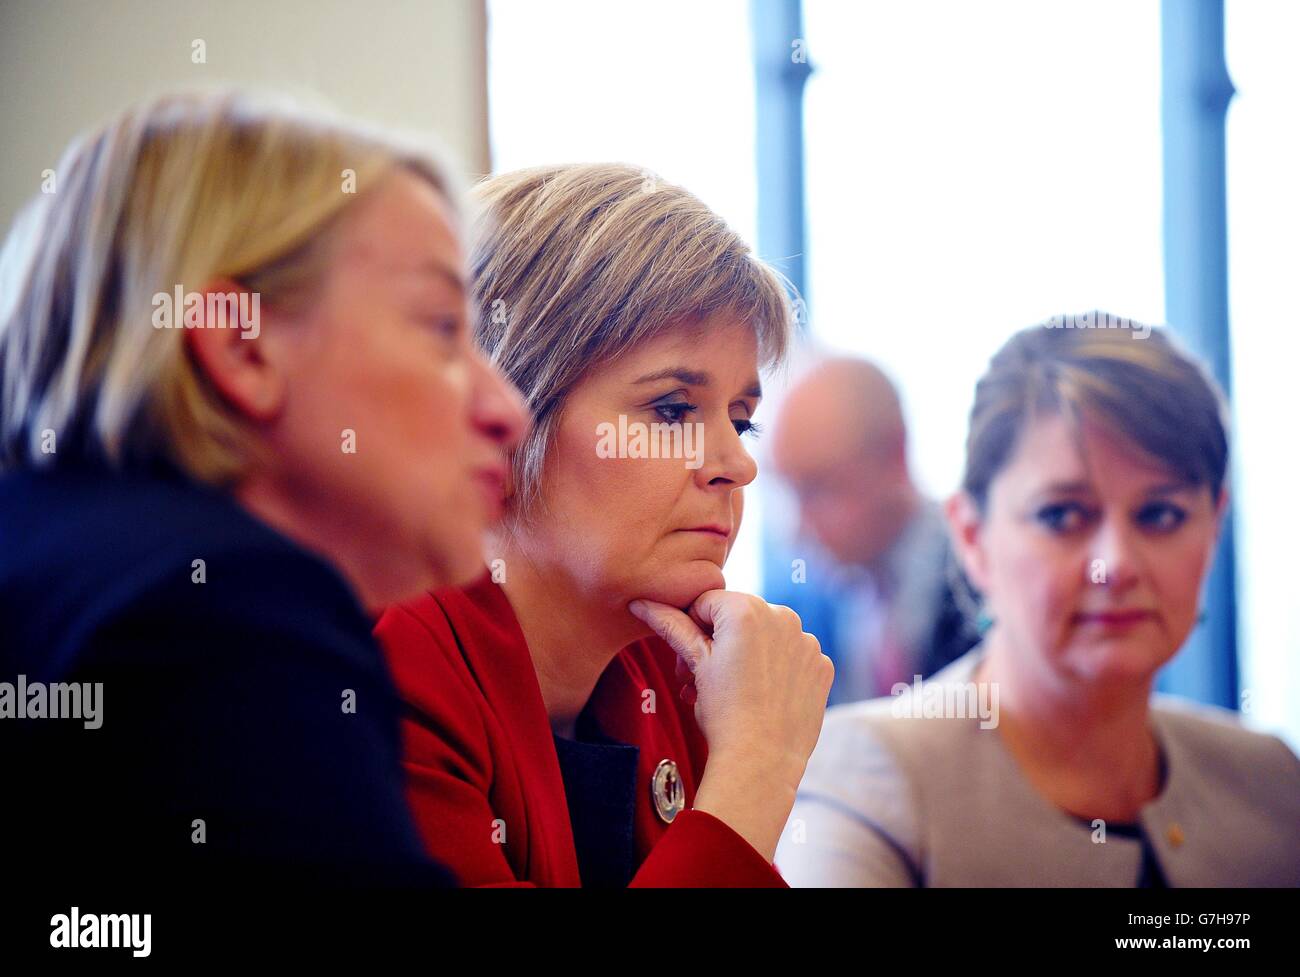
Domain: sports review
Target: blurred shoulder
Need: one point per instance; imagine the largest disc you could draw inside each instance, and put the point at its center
(1220, 743)
(90, 553)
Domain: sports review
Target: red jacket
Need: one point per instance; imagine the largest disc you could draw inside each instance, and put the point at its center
(480, 757)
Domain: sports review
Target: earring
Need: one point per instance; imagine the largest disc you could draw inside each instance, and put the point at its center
(983, 622)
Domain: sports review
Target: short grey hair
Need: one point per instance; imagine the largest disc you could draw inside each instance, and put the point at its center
(575, 265)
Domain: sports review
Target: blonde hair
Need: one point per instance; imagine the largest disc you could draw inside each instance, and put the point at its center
(181, 190)
(1131, 378)
(574, 265)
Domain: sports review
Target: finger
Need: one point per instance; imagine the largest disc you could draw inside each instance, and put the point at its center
(704, 623)
(681, 633)
(708, 607)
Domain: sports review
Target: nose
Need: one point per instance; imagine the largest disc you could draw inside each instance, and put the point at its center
(497, 408)
(726, 462)
(1115, 561)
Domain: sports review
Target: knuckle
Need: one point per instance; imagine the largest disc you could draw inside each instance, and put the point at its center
(751, 611)
(789, 615)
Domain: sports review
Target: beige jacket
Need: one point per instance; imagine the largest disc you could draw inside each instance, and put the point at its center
(898, 801)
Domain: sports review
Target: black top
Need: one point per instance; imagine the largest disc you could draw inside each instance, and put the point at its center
(1150, 875)
(600, 786)
(223, 701)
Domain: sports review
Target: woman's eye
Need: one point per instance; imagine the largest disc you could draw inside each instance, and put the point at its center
(674, 413)
(1063, 517)
(744, 425)
(1162, 517)
(443, 326)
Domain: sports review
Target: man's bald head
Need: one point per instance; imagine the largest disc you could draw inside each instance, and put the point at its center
(841, 443)
(850, 404)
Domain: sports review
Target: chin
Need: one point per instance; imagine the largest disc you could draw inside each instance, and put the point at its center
(680, 585)
(1118, 660)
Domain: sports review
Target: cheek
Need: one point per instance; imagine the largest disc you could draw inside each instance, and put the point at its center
(431, 408)
(1034, 580)
(611, 516)
(415, 399)
(1177, 569)
(842, 515)
(599, 505)
(626, 503)
(834, 524)
(408, 405)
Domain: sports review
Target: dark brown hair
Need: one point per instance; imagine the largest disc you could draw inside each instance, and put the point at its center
(1130, 378)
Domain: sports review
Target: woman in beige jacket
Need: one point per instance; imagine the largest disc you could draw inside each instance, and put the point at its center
(1089, 511)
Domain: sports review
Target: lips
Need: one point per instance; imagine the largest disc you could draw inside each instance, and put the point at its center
(724, 532)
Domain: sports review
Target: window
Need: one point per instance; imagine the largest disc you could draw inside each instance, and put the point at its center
(969, 173)
(1263, 258)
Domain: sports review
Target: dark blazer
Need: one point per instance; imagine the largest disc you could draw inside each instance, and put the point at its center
(222, 701)
(483, 773)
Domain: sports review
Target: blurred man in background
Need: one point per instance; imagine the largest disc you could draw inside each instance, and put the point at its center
(886, 610)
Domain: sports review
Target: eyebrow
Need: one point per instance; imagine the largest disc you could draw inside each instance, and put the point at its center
(1064, 488)
(694, 378)
(445, 272)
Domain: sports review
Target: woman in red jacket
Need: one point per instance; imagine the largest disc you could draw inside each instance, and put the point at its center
(597, 709)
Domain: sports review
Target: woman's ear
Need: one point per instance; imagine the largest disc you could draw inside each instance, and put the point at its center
(964, 524)
(231, 353)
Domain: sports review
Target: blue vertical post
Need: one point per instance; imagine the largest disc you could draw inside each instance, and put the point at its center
(780, 71)
(1196, 91)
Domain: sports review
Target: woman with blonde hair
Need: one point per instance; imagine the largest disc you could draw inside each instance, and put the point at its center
(239, 412)
(550, 738)
(1095, 486)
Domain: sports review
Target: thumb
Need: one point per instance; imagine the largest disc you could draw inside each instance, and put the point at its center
(682, 634)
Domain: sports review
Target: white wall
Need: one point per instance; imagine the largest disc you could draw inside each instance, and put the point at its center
(66, 65)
